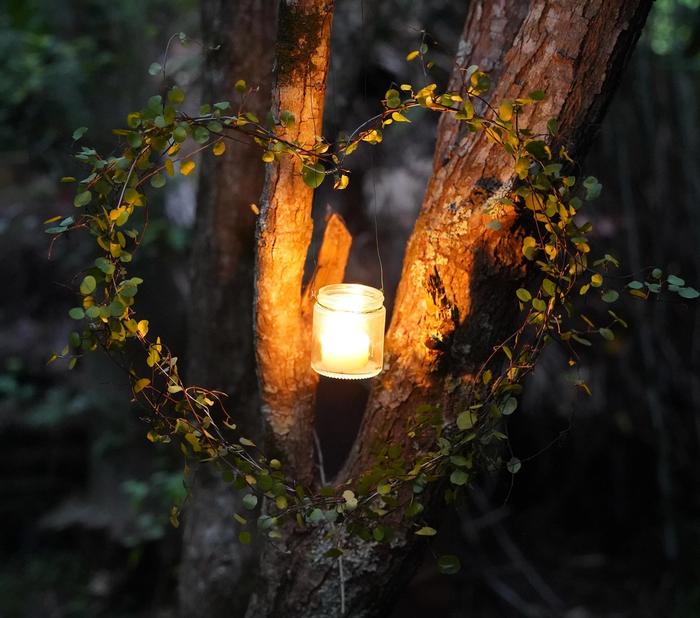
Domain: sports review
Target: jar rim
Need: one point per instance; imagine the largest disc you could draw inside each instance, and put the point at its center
(365, 299)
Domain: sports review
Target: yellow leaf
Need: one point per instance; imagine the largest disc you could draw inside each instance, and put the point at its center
(412, 55)
(268, 156)
(405, 87)
(255, 209)
(53, 219)
(399, 117)
(174, 149)
(342, 182)
(505, 110)
(141, 384)
(186, 167)
(219, 148)
(142, 327)
(169, 167)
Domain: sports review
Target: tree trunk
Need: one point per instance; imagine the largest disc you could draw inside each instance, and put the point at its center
(287, 383)
(455, 299)
(216, 570)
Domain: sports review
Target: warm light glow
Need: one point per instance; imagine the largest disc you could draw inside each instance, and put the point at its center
(348, 331)
(344, 344)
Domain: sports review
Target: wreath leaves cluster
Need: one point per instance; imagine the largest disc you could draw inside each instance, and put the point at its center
(160, 141)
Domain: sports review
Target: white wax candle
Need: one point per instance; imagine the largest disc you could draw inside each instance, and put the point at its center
(344, 346)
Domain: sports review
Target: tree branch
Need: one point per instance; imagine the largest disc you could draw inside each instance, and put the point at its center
(331, 262)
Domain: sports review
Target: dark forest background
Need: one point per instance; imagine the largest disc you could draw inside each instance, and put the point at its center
(604, 517)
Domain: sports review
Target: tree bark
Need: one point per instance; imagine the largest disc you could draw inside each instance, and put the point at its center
(216, 570)
(287, 384)
(455, 299)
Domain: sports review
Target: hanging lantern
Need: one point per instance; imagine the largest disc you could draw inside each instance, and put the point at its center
(348, 331)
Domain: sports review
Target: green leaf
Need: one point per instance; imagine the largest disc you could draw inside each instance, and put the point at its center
(245, 537)
(459, 477)
(155, 68)
(240, 86)
(610, 296)
(606, 333)
(104, 265)
(593, 187)
(581, 340)
(180, 134)
(523, 295)
(88, 285)
(466, 420)
(176, 95)
(537, 95)
(215, 126)
(413, 509)
(250, 501)
(82, 199)
(316, 516)
(313, 174)
(116, 309)
(549, 287)
(201, 135)
(460, 461)
(79, 132)
(688, 293)
(509, 406)
(393, 98)
(538, 304)
(76, 313)
(158, 181)
(514, 465)
(673, 280)
(426, 531)
(449, 564)
(384, 489)
(135, 140)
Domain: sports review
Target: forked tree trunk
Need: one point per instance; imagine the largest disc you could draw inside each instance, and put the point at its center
(455, 299)
(216, 571)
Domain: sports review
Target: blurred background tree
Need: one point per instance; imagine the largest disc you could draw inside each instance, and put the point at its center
(604, 521)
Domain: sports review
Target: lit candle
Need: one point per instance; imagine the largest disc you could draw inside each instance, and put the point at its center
(344, 345)
(348, 331)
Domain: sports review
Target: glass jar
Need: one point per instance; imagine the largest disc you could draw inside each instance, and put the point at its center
(348, 331)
